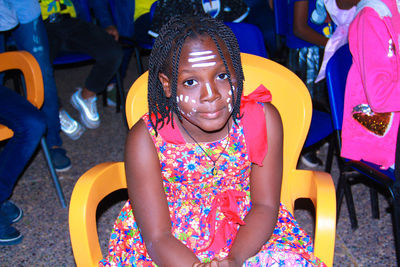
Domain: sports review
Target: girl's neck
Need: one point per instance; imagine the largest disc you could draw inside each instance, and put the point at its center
(193, 134)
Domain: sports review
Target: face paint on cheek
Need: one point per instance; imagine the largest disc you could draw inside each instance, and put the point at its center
(181, 97)
(186, 99)
(209, 91)
(229, 107)
(177, 99)
(228, 100)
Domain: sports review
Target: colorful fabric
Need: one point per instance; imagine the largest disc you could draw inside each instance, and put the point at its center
(373, 80)
(57, 6)
(206, 210)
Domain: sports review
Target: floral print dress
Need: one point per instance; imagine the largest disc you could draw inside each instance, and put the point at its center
(207, 210)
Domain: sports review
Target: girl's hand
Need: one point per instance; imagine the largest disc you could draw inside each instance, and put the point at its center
(227, 262)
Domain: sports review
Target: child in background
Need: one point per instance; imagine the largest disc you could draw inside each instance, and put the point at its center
(342, 17)
(200, 195)
(310, 27)
(372, 97)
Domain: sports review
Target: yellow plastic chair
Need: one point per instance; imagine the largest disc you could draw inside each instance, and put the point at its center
(27, 64)
(293, 101)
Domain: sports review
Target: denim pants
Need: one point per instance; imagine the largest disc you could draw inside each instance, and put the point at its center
(79, 36)
(28, 125)
(32, 37)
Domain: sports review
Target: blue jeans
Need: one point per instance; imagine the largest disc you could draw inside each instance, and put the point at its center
(28, 125)
(32, 37)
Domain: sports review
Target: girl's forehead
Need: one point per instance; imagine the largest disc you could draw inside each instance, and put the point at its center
(203, 46)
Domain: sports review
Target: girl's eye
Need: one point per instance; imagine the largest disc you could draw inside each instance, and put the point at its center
(223, 76)
(190, 82)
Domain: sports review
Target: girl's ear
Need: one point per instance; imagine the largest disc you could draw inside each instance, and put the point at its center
(165, 84)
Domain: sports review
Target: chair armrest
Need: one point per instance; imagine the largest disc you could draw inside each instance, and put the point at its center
(91, 188)
(319, 187)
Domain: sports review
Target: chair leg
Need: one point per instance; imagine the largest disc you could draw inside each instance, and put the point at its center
(139, 63)
(396, 219)
(53, 172)
(343, 189)
(329, 157)
(374, 202)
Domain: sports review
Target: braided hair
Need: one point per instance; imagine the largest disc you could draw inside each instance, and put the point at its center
(165, 56)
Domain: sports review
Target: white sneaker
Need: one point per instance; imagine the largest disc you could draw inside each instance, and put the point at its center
(87, 108)
(69, 126)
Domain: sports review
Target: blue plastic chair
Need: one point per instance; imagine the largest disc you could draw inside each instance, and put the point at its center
(125, 25)
(336, 75)
(65, 58)
(249, 37)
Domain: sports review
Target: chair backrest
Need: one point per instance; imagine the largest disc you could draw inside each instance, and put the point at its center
(249, 37)
(336, 76)
(281, 16)
(27, 64)
(289, 95)
(122, 12)
(85, 9)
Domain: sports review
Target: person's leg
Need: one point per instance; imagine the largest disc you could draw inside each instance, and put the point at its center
(28, 125)
(88, 38)
(32, 37)
(83, 37)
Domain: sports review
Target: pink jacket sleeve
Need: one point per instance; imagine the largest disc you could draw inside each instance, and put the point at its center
(379, 71)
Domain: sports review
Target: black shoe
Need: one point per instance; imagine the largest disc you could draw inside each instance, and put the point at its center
(8, 234)
(310, 159)
(10, 211)
(60, 160)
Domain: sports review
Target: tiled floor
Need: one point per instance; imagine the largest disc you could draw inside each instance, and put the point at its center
(45, 224)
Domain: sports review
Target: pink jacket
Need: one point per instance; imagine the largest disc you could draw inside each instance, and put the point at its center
(374, 79)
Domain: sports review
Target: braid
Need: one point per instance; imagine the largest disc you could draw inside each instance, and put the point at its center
(165, 56)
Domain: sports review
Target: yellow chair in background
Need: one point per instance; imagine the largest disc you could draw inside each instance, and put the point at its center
(27, 64)
(293, 101)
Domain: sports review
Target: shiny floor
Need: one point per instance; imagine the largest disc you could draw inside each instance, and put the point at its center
(45, 223)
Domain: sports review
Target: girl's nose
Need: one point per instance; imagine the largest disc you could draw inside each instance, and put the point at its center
(209, 93)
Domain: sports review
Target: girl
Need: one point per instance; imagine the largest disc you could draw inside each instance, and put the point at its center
(372, 96)
(192, 163)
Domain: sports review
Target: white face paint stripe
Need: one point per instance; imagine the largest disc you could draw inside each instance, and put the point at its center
(209, 91)
(193, 101)
(207, 64)
(229, 107)
(186, 99)
(181, 97)
(200, 53)
(228, 100)
(197, 59)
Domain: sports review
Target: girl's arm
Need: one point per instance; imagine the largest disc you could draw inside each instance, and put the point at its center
(149, 204)
(265, 191)
(380, 72)
(301, 29)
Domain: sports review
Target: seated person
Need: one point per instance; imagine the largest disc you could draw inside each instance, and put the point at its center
(372, 97)
(69, 31)
(21, 20)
